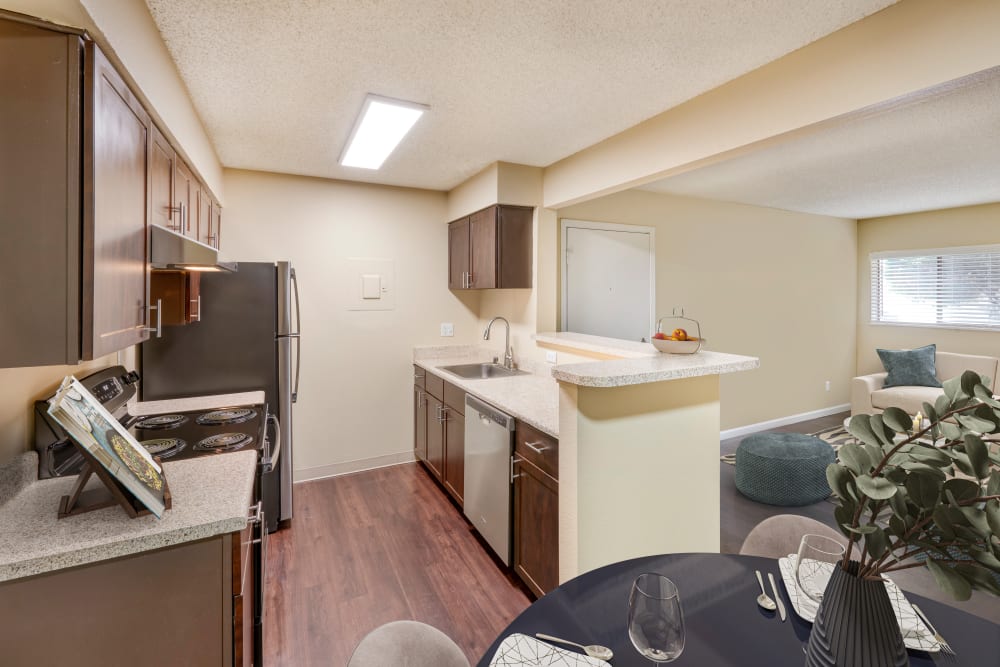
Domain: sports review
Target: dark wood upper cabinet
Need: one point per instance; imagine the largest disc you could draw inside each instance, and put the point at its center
(215, 225)
(178, 294)
(491, 249)
(186, 189)
(204, 215)
(163, 211)
(115, 211)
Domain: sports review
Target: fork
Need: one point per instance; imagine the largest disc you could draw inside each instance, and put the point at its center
(945, 646)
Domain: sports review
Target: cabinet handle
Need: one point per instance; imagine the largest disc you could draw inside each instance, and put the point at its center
(418, 376)
(420, 397)
(472, 279)
(514, 460)
(442, 413)
(197, 301)
(256, 514)
(537, 447)
(464, 283)
(158, 329)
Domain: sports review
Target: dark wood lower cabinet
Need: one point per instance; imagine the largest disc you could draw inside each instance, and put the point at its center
(419, 423)
(189, 604)
(454, 462)
(435, 437)
(536, 527)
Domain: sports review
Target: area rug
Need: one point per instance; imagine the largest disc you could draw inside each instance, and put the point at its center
(835, 435)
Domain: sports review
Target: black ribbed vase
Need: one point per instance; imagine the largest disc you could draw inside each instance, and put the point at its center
(855, 625)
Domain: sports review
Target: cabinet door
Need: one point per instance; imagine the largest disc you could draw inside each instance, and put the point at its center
(419, 423)
(215, 225)
(186, 199)
(243, 597)
(458, 254)
(161, 182)
(454, 453)
(435, 436)
(536, 528)
(204, 215)
(116, 212)
(483, 243)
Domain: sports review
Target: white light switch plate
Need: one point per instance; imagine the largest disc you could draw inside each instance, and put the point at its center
(447, 329)
(551, 356)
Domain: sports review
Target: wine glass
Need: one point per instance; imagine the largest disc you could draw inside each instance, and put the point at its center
(655, 618)
(817, 557)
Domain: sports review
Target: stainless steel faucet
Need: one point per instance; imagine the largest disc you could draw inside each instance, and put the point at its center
(508, 353)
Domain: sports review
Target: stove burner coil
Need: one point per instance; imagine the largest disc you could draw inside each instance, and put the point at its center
(164, 447)
(160, 422)
(224, 442)
(227, 416)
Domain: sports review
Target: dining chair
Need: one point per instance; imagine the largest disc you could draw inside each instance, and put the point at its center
(778, 536)
(407, 644)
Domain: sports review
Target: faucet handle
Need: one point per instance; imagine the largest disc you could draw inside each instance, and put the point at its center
(496, 359)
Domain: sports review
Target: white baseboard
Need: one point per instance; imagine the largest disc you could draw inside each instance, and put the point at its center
(782, 421)
(347, 467)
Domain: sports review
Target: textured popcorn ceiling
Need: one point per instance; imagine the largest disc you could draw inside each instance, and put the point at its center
(278, 83)
(939, 151)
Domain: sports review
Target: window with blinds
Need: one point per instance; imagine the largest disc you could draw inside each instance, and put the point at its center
(951, 287)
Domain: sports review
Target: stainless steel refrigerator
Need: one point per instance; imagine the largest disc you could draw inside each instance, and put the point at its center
(247, 340)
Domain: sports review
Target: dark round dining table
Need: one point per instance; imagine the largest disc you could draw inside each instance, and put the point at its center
(723, 624)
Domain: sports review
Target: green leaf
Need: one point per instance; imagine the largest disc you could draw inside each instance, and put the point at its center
(969, 381)
(929, 412)
(944, 524)
(861, 530)
(923, 489)
(952, 388)
(986, 396)
(993, 486)
(993, 516)
(979, 577)
(962, 489)
(854, 457)
(897, 502)
(949, 581)
(884, 435)
(929, 454)
(877, 542)
(950, 431)
(985, 558)
(962, 461)
(897, 420)
(838, 477)
(979, 455)
(976, 424)
(860, 428)
(977, 520)
(844, 518)
(876, 488)
(897, 526)
(923, 468)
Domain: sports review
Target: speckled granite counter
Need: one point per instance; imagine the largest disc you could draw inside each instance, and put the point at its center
(210, 497)
(532, 398)
(663, 367)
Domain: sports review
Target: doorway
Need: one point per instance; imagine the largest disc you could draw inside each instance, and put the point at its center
(608, 279)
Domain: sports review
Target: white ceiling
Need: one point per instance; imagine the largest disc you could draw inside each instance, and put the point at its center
(278, 83)
(939, 151)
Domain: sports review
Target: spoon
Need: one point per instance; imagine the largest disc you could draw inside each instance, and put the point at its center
(764, 600)
(594, 650)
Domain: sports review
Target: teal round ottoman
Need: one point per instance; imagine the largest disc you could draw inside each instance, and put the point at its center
(786, 469)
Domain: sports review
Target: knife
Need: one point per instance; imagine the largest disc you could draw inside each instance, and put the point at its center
(777, 598)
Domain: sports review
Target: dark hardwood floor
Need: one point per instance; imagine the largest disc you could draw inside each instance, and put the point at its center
(374, 547)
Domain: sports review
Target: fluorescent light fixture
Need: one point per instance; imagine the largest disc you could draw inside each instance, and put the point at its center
(380, 127)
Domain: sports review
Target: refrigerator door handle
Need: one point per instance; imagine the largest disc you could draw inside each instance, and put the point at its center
(297, 336)
(274, 451)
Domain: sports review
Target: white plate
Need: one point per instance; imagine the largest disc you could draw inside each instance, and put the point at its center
(916, 636)
(520, 650)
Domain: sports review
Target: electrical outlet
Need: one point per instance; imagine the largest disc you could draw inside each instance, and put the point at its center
(828, 385)
(551, 356)
(447, 329)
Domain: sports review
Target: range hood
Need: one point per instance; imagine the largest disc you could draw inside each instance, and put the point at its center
(170, 250)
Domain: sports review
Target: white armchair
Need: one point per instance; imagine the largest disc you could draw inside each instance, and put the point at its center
(868, 396)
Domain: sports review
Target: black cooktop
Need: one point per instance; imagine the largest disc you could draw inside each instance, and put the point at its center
(184, 435)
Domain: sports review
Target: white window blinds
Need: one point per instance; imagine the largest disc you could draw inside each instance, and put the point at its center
(951, 287)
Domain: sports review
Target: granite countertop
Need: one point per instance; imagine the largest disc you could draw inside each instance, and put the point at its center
(663, 367)
(614, 347)
(532, 398)
(210, 496)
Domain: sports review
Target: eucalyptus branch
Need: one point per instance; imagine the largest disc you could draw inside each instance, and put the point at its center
(913, 438)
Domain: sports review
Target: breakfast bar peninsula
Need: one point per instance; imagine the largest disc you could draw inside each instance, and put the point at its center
(638, 450)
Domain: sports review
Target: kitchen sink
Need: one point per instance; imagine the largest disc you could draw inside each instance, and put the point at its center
(482, 371)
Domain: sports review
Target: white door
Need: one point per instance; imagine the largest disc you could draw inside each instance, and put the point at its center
(608, 279)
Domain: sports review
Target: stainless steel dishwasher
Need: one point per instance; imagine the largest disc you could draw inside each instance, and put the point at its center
(489, 436)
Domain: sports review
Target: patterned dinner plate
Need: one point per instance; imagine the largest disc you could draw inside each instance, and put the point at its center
(916, 636)
(519, 650)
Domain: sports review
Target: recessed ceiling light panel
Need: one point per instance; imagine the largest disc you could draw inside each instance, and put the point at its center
(380, 127)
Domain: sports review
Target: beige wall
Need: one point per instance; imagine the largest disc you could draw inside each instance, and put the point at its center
(126, 28)
(905, 48)
(973, 225)
(354, 406)
(21, 387)
(767, 283)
